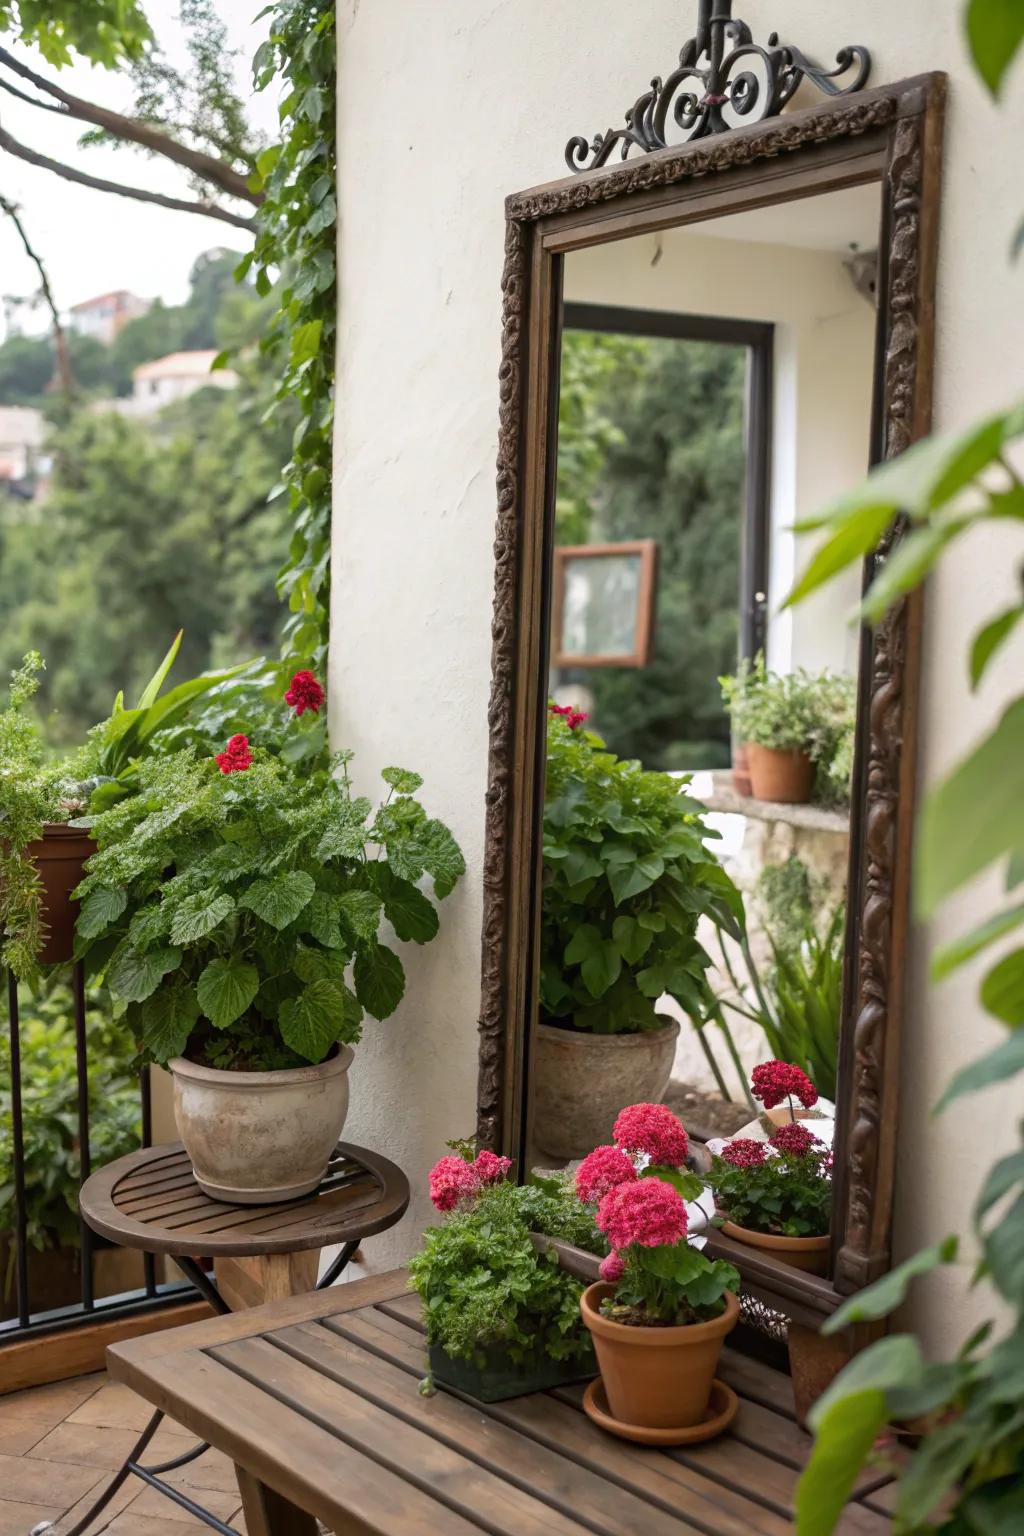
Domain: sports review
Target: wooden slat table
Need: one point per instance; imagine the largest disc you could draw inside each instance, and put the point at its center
(317, 1401)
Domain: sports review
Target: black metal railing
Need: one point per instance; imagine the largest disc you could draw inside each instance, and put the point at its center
(33, 1319)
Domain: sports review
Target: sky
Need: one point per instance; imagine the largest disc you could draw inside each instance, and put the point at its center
(92, 242)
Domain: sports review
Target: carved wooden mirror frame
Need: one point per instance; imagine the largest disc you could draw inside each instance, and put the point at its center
(891, 135)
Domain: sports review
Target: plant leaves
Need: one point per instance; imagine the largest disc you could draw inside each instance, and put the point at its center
(409, 912)
(279, 899)
(99, 909)
(988, 640)
(402, 781)
(167, 1019)
(442, 858)
(313, 1021)
(631, 879)
(953, 955)
(995, 31)
(379, 980)
(974, 816)
(134, 976)
(845, 1436)
(360, 910)
(601, 968)
(888, 1293)
(908, 564)
(1002, 991)
(199, 915)
(226, 989)
(1005, 1061)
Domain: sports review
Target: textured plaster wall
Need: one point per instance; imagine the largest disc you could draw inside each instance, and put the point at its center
(443, 109)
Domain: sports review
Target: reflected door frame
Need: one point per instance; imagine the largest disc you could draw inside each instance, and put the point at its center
(758, 337)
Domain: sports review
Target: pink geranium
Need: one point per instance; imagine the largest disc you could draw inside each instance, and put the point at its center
(612, 1268)
(489, 1168)
(744, 1153)
(774, 1081)
(797, 1140)
(653, 1129)
(600, 1171)
(648, 1212)
(452, 1179)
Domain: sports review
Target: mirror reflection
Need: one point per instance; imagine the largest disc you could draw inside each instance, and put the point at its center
(716, 387)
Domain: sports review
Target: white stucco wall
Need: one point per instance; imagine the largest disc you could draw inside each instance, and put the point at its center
(443, 109)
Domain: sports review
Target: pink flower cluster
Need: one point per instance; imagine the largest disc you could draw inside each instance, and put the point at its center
(304, 692)
(797, 1140)
(745, 1153)
(774, 1081)
(600, 1172)
(452, 1179)
(648, 1212)
(573, 718)
(653, 1129)
(236, 757)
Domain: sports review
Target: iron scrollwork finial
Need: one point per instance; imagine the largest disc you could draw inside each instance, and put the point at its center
(724, 79)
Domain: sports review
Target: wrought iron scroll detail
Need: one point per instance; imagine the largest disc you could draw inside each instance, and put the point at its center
(723, 80)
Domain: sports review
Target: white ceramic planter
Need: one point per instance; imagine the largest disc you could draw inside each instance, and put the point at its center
(581, 1081)
(259, 1137)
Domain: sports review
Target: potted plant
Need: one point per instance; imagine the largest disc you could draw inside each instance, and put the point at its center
(502, 1316)
(43, 844)
(661, 1310)
(776, 1196)
(626, 877)
(235, 909)
(773, 713)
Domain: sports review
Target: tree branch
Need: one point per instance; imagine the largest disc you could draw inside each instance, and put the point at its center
(33, 101)
(139, 194)
(208, 167)
(13, 212)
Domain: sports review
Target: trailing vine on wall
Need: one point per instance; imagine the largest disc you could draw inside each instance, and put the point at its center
(296, 243)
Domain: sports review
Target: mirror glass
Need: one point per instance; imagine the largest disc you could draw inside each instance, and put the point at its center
(716, 389)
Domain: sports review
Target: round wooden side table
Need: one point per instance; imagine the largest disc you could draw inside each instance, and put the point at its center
(150, 1200)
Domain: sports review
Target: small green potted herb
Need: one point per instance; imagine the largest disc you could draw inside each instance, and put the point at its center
(235, 908)
(627, 876)
(797, 729)
(502, 1316)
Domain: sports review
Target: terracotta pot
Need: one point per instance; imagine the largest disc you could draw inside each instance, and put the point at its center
(814, 1363)
(807, 1253)
(259, 1137)
(741, 769)
(60, 856)
(785, 777)
(659, 1378)
(581, 1081)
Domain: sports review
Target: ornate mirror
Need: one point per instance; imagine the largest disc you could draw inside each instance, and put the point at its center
(712, 327)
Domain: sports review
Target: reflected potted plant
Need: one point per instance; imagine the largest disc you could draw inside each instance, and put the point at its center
(773, 715)
(502, 1315)
(235, 909)
(626, 877)
(661, 1311)
(776, 1196)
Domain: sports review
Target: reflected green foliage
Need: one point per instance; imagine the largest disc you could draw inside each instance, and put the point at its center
(49, 1105)
(655, 450)
(104, 31)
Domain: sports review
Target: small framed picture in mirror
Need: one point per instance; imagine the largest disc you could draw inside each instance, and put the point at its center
(604, 604)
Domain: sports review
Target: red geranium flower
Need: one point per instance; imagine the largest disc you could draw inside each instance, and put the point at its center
(451, 1180)
(612, 1268)
(236, 757)
(653, 1129)
(797, 1140)
(304, 692)
(774, 1081)
(489, 1168)
(744, 1153)
(600, 1171)
(573, 718)
(648, 1211)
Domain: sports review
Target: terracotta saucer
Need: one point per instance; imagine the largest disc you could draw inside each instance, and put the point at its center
(722, 1408)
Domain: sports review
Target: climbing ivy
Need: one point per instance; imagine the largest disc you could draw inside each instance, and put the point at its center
(295, 246)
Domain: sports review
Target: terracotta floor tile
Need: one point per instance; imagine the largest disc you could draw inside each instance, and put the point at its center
(87, 1445)
(211, 1470)
(131, 1524)
(27, 1481)
(151, 1502)
(114, 1406)
(121, 1499)
(16, 1439)
(18, 1519)
(170, 1440)
(49, 1404)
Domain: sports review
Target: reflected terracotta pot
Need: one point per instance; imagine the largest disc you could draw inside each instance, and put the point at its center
(741, 770)
(658, 1378)
(60, 856)
(807, 1253)
(785, 777)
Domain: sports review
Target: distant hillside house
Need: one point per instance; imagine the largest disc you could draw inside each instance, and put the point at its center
(166, 380)
(106, 315)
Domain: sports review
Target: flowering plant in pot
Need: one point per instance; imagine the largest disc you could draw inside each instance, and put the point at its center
(661, 1310)
(502, 1316)
(626, 879)
(776, 1196)
(236, 911)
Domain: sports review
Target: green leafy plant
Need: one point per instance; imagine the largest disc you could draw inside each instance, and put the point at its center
(966, 1476)
(771, 709)
(487, 1290)
(50, 1107)
(626, 877)
(767, 1188)
(231, 902)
